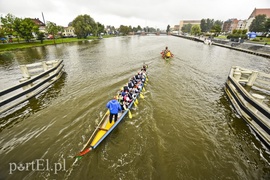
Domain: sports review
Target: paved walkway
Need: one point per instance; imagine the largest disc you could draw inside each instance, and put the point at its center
(248, 46)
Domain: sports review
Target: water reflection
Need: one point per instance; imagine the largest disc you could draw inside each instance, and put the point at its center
(6, 60)
(32, 106)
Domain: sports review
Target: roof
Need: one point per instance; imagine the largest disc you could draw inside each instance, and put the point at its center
(191, 21)
(257, 12)
(38, 22)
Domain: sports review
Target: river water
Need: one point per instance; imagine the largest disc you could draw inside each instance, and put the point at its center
(185, 128)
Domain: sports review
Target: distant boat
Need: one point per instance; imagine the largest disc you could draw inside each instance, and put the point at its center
(166, 56)
(208, 41)
(249, 92)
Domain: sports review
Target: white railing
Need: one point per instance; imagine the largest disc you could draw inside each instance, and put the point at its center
(36, 78)
(250, 101)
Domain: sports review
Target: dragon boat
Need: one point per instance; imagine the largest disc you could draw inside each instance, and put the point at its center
(104, 128)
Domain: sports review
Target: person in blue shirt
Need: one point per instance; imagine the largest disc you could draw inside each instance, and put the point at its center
(114, 107)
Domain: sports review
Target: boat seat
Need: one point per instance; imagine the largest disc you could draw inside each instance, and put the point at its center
(100, 128)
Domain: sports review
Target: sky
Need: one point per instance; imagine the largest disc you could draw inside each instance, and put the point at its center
(151, 13)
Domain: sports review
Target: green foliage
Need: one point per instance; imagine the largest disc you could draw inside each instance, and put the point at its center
(40, 37)
(168, 29)
(236, 34)
(151, 29)
(258, 24)
(267, 25)
(26, 29)
(7, 22)
(210, 25)
(195, 30)
(206, 24)
(52, 29)
(2, 33)
(234, 31)
(84, 25)
(100, 28)
(18, 27)
(216, 29)
(186, 28)
(124, 30)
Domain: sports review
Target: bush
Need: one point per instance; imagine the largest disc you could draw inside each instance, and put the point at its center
(236, 36)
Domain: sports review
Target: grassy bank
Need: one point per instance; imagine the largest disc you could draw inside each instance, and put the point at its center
(21, 45)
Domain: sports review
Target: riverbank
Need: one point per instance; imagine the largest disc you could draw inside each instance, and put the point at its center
(247, 47)
(22, 45)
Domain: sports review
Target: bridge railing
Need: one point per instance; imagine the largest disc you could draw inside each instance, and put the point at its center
(36, 78)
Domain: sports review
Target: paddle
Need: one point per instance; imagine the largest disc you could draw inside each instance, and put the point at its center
(129, 113)
(82, 153)
(136, 105)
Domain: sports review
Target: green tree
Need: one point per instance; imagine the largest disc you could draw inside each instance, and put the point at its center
(234, 31)
(195, 30)
(100, 28)
(216, 29)
(7, 24)
(139, 28)
(203, 25)
(258, 24)
(206, 24)
(52, 29)
(186, 28)
(16, 28)
(26, 29)
(124, 30)
(168, 29)
(267, 25)
(134, 29)
(218, 22)
(40, 36)
(83, 25)
(2, 33)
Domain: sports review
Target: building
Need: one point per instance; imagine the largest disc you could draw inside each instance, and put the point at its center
(192, 22)
(241, 24)
(40, 24)
(69, 31)
(230, 25)
(255, 13)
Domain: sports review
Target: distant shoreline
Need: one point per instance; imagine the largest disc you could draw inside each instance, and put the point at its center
(7, 47)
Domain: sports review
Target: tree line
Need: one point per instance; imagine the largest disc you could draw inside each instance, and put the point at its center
(259, 24)
(84, 25)
(26, 28)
